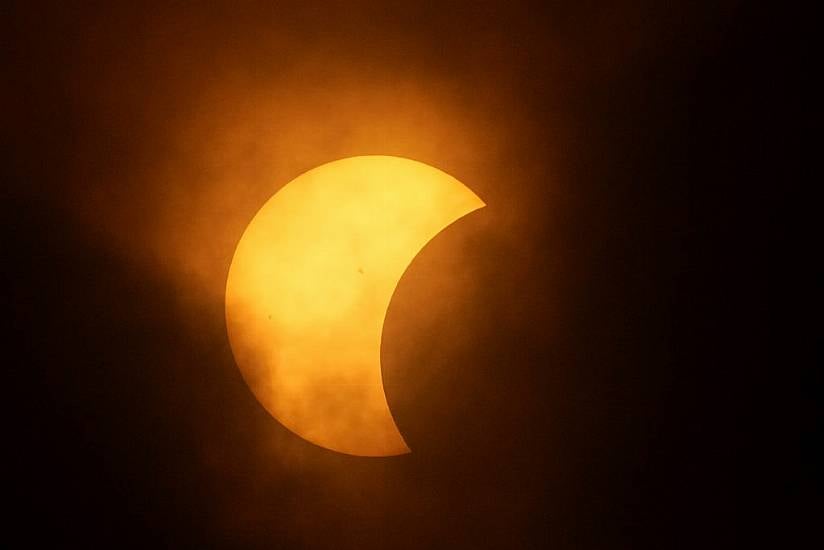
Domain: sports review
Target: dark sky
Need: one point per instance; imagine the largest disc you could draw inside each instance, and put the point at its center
(571, 366)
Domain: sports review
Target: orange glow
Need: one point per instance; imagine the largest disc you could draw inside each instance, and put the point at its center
(310, 284)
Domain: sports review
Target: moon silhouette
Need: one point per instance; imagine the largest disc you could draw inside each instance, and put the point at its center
(311, 281)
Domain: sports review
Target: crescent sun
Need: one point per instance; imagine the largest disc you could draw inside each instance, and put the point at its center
(309, 286)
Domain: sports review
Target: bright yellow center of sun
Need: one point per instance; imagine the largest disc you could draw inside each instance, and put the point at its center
(310, 284)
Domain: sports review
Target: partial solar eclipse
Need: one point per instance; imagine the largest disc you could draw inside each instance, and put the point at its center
(309, 286)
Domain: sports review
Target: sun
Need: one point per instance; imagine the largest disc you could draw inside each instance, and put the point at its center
(309, 286)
